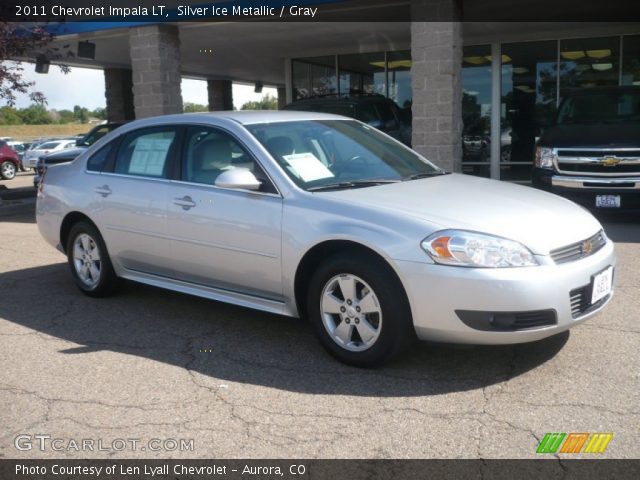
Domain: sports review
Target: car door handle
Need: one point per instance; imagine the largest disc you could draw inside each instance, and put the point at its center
(103, 190)
(185, 202)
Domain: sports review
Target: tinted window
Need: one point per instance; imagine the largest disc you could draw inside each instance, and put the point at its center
(48, 146)
(145, 153)
(209, 152)
(98, 160)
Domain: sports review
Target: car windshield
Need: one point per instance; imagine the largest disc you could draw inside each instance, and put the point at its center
(601, 107)
(335, 154)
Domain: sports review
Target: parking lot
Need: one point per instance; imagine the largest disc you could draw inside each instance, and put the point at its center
(151, 364)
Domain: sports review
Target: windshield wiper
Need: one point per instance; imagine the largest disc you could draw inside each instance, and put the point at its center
(416, 176)
(351, 184)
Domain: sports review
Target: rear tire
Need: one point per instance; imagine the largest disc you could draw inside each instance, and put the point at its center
(359, 310)
(89, 261)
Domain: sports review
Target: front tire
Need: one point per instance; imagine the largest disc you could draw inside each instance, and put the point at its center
(7, 170)
(89, 261)
(359, 310)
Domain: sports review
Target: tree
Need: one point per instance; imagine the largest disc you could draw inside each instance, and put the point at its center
(268, 102)
(9, 116)
(100, 113)
(66, 116)
(35, 114)
(18, 40)
(81, 114)
(194, 107)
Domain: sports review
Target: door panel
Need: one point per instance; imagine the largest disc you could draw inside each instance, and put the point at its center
(134, 222)
(227, 239)
(220, 237)
(133, 208)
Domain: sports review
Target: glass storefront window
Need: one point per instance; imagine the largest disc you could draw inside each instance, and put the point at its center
(313, 76)
(528, 101)
(476, 110)
(630, 60)
(589, 62)
(399, 73)
(362, 73)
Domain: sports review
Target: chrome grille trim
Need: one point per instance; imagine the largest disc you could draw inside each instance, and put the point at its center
(576, 251)
(568, 160)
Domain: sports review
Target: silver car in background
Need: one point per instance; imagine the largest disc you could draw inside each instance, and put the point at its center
(323, 217)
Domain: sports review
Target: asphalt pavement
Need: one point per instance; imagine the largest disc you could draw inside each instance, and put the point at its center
(227, 382)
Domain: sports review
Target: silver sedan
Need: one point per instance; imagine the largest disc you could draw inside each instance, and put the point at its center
(326, 218)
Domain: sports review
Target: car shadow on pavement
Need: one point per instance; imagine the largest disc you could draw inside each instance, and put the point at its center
(621, 227)
(233, 344)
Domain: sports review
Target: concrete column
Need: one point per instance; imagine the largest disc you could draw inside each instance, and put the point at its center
(436, 78)
(119, 94)
(282, 97)
(155, 61)
(220, 95)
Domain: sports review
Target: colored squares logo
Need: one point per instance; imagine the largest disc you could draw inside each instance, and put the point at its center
(574, 442)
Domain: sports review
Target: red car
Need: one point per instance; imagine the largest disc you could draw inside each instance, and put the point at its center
(9, 162)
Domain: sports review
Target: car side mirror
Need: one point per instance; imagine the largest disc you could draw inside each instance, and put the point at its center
(239, 179)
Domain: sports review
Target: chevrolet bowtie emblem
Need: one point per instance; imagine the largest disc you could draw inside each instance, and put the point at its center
(587, 247)
(609, 161)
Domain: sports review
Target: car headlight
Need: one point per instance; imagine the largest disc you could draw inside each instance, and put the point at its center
(544, 157)
(472, 249)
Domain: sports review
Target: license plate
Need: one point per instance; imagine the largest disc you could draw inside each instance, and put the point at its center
(601, 285)
(608, 201)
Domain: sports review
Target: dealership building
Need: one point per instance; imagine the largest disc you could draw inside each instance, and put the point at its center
(478, 92)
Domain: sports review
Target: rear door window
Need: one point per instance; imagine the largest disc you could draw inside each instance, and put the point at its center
(146, 153)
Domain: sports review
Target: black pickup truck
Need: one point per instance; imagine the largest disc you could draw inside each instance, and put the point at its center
(592, 152)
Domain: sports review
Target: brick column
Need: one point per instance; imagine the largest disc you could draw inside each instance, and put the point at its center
(436, 78)
(119, 94)
(155, 61)
(220, 95)
(282, 97)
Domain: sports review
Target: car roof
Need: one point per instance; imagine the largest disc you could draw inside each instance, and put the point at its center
(245, 117)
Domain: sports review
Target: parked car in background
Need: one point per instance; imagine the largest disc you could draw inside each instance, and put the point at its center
(61, 156)
(375, 110)
(96, 133)
(31, 156)
(592, 152)
(324, 217)
(9, 162)
(20, 148)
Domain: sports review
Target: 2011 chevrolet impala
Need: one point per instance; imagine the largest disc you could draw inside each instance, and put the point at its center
(324, 217)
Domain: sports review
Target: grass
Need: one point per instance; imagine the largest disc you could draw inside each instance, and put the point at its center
(30, 132)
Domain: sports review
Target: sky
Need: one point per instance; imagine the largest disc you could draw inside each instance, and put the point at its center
(85, 87)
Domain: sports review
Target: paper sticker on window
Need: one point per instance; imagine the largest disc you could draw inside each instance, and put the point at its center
(308, 167)
(149, 156)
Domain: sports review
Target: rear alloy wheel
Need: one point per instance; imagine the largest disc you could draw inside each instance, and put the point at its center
(89, 261)
(359, 310)
(7, 170)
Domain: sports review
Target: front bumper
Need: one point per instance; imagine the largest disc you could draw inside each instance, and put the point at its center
(436, 292)
(583, 189)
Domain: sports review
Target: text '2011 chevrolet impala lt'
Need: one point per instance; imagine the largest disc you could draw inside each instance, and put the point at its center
(323, 217)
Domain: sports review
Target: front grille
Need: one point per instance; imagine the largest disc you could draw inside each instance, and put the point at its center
(599, 153)
(598, 168)
(580, 299)
(590, 161)
(579, 250)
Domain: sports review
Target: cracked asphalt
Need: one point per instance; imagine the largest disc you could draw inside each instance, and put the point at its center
(150, 364)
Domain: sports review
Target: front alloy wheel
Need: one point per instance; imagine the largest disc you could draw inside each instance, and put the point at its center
(351, 312)
(7, 170)
(359, 309)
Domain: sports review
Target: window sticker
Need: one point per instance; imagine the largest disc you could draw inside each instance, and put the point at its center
(308, 167)
(149, 156)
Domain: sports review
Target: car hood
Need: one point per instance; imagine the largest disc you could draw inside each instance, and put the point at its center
(539, 220)
(605, 135)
